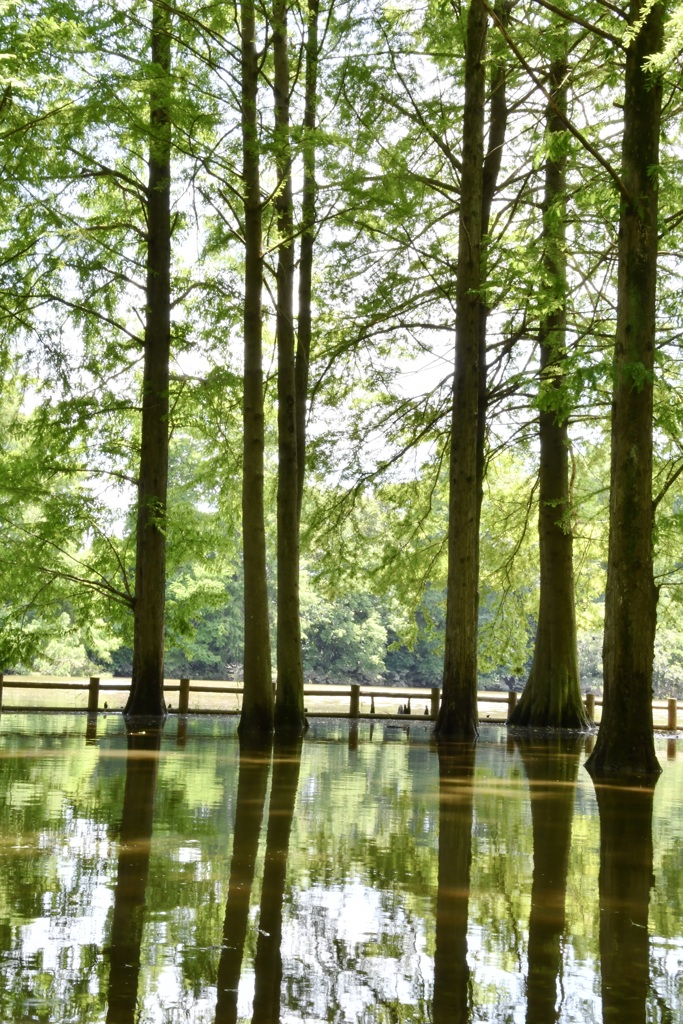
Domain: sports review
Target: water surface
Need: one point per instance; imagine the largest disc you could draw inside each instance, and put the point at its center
(364, 877)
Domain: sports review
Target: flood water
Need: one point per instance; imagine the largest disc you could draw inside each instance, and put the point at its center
(366, 877)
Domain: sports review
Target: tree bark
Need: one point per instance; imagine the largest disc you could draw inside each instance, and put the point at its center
(498, 121)
(625, 743)
(458, 712)
(552, 695)
(308, 219)
(289, 702)
(257, 707)
(147, 685)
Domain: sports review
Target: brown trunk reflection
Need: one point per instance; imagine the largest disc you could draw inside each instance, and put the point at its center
(451, 973)
(551, 767)
(268, 962)
(254, 766)
(133, 868)
(625, 881)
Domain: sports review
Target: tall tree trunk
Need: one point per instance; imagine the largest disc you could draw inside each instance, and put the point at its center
(458, 712)
(498, 121)
(252, 783)
(552, 695)
(257, 707)
(268, 959)
(625, 742)
(551, 769)
(625, 882)
(289, 702)
(135, 840)
(456, 809)
(147, 685)
(308, 218)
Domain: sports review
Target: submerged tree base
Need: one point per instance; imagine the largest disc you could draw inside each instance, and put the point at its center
(552, 695)
(145, 705)
(624, 761)
(453, 723)
(144, 725)
(625, 747)
(290, 724)
(534, 714)
(255, 726)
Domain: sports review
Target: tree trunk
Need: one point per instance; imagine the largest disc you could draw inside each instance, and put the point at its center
(147, 684)
(625, 742)
(456, 808)
(458, 712)
(257, 707)
(625, 882)
(498, 121)
(289, 702)
(252, 783)
(135, 839)
(552, 695)
(308, 217)
(268, 959)
(551, 769)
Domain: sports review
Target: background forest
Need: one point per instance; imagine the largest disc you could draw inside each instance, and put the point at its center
(374, 144)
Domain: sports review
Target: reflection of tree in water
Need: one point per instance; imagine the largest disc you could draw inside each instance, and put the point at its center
(451, 973)
(551, 767)
(268, 962)
(254, 766)
(625, 881)
(133, 868)
(251, 793)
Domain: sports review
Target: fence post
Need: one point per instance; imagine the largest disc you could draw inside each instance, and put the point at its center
(672, 709)
(436, 700)
(2, 679)
(184, 697)
(590, 707)
(93, 694)
(512, 701)
(354, 706)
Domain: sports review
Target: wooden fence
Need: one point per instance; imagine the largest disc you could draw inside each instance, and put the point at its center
(493, 706)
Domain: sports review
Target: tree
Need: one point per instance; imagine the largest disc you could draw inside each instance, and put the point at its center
(458, 712)
(552, 695)
(625, 742)
(147, 683)
(257, 707)
(289, 702)
(308, 227)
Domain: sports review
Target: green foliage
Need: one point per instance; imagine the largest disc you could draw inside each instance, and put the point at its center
(74, 136)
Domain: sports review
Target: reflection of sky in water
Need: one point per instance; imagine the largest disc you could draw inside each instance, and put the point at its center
(351, 973)
(360, 892)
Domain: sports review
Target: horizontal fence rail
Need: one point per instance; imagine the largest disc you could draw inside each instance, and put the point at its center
(354, 696)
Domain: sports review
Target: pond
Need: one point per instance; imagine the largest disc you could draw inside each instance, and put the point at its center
(365, 878)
